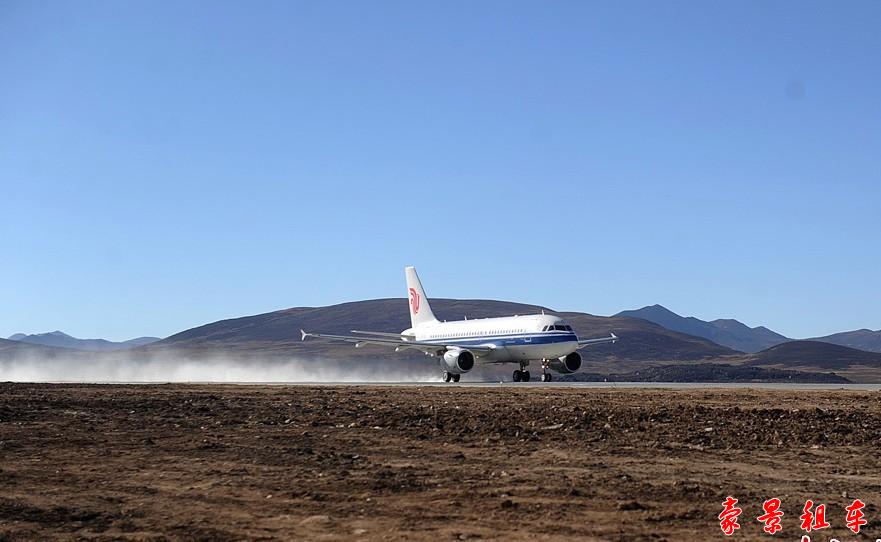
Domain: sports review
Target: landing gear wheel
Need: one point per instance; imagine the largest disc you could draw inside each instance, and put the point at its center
(546, 377)
(525, 376)
(447, 376)
(456, 378)
(518, 375)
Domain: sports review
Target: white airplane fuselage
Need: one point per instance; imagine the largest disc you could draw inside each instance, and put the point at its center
(513, 338)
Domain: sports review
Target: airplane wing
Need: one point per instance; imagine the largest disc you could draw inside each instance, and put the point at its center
(428, 348)
(587, 342)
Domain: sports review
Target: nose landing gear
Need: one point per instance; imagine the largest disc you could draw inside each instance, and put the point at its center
(545, 375)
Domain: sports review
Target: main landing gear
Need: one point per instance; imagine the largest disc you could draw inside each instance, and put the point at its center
(448, 376)
(521, 374)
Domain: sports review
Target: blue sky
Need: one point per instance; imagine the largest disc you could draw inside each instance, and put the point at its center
(168, 164)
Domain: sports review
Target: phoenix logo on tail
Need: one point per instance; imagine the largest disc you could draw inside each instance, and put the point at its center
(414, 301)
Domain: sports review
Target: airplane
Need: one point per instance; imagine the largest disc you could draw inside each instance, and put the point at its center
(459, 344)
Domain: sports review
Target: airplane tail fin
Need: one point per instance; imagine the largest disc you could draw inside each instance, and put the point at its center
(420, 311)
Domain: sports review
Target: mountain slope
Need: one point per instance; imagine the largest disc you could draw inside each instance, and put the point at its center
(63, 340)
(815, 354)
(726, 332)
(862, 339)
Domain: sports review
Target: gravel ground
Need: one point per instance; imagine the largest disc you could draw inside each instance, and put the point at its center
(226, 462)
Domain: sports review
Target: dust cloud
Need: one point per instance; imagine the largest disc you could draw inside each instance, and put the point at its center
(171, 368)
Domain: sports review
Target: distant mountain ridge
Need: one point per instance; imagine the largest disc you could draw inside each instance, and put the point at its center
(734, 334)
(644, 349)
(63, 340)
(17, 350)
(727, 332)
(862, 339)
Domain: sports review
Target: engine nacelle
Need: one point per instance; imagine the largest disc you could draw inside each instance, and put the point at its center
(568, 364)
(458, 361)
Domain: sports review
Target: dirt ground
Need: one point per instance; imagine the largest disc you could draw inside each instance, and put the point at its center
(225, 462)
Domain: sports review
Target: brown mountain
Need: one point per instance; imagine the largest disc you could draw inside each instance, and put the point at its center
(816, 355)
(277, 333)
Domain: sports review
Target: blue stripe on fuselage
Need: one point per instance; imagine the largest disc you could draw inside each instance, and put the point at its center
(508, 340)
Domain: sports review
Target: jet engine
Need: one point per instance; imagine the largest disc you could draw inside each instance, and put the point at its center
(458, 361)
(568, 364)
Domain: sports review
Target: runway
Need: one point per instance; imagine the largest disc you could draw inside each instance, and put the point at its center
(529, 385)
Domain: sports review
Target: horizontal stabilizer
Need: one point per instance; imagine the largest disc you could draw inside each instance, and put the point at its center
(587, 342)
